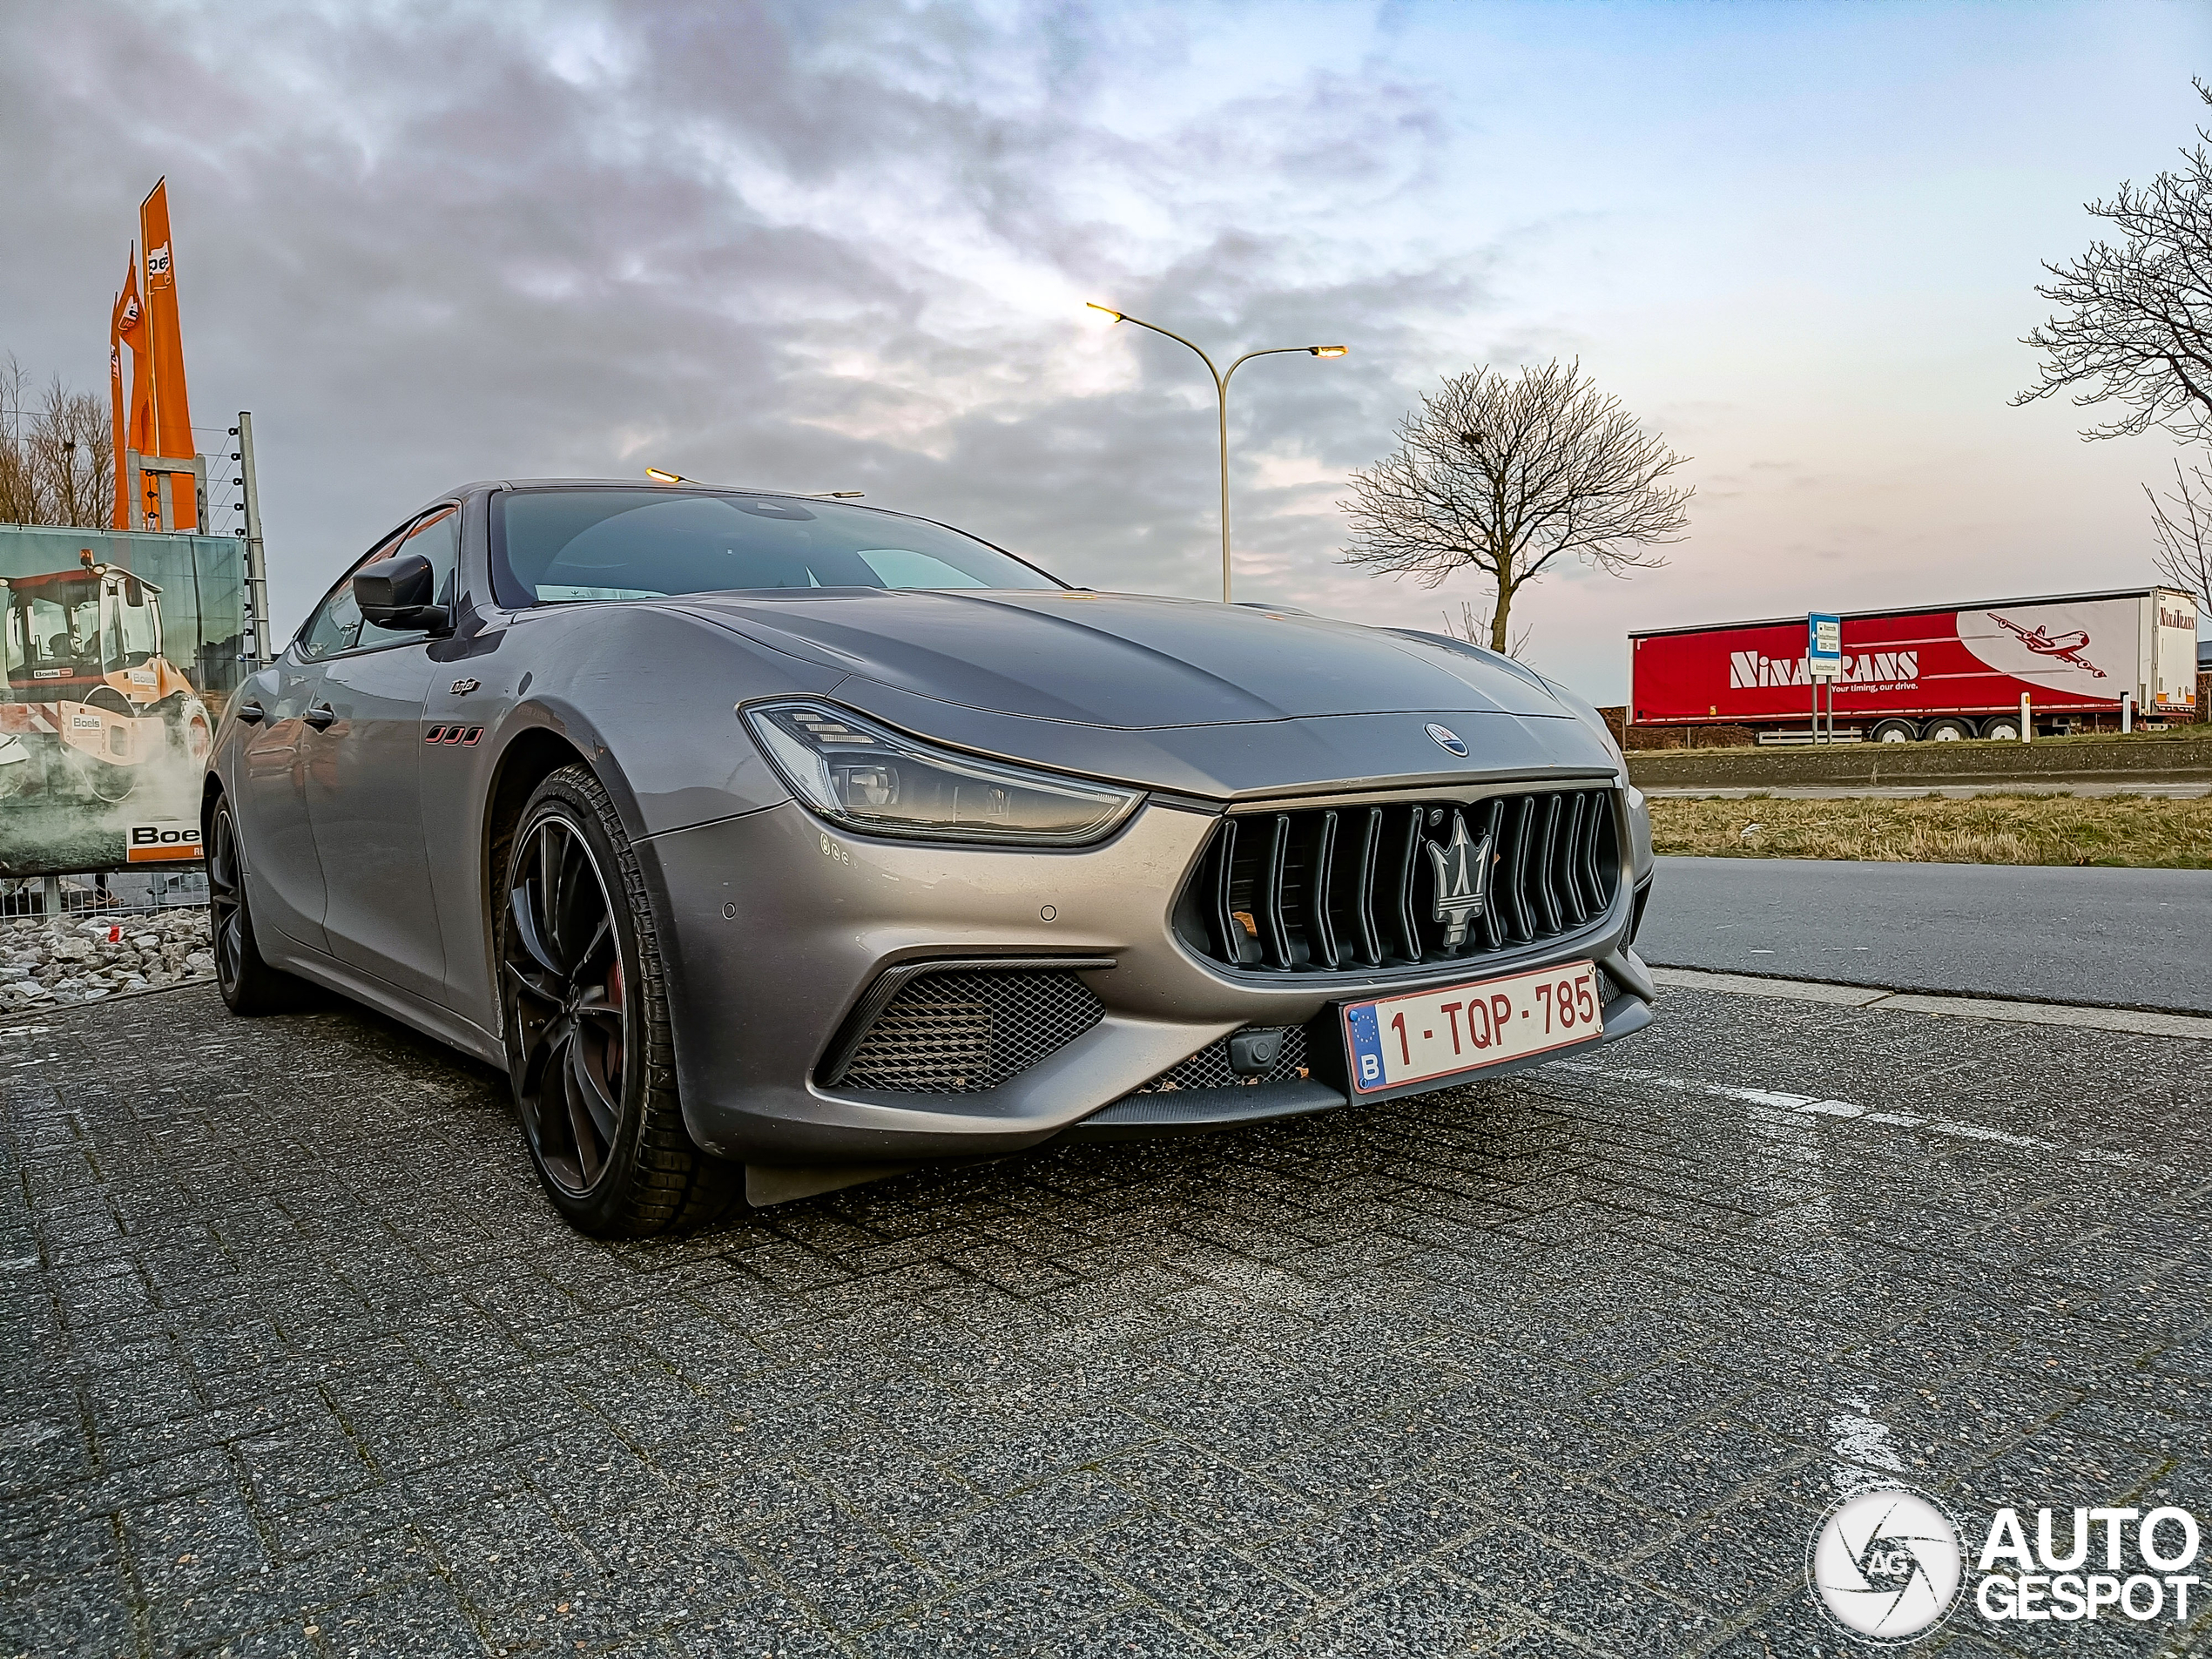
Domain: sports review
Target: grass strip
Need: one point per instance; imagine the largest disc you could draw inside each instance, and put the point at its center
(2133, 830)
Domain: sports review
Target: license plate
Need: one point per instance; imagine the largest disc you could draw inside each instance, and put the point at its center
(1399, 1040)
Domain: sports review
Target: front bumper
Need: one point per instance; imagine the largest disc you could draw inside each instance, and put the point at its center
(780, 924)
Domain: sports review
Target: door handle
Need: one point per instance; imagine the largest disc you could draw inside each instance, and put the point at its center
(251, 713)
(320, 715)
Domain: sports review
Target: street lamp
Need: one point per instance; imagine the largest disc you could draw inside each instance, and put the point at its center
(1221, 394)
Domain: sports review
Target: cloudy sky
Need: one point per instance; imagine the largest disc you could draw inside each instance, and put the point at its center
(815, 245)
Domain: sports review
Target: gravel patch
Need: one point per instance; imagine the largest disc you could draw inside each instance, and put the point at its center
(82, 959)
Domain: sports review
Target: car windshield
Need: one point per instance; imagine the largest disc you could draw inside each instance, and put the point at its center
(565, 546)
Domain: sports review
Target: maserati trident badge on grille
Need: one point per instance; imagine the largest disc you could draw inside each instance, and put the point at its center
(1448, 740)
(1462, 879)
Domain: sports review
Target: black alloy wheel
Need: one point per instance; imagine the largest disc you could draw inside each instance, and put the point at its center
(563, 970)
(248, 984)
(587, 1024)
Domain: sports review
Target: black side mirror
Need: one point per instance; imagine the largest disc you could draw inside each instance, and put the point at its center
(395, 593)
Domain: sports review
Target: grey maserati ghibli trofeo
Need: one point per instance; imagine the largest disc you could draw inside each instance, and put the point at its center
(772, 843)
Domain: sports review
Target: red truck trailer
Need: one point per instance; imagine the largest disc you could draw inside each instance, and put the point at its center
(1937, 672)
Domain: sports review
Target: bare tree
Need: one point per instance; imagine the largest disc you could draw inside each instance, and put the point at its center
(1503, 475)
(19, 503)
(2138, 330)
(2181, 524)
(57, 461)
(1472, 630)
(73, 454)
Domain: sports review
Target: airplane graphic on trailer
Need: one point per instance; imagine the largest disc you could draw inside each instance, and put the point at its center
(2067, 647)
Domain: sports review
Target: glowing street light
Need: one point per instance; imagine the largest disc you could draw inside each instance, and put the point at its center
(1221, 396)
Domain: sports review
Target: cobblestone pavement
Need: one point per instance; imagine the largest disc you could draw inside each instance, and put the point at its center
(298, 1360)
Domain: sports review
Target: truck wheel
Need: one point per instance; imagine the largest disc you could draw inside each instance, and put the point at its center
(1948, 731)
(1895, 732)
(584, 994)
(248, 984)
(102, 779)
(2006, 728)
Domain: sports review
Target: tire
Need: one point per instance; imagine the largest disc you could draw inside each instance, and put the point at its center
(2005, 728)
(249, 986)
(1949, 731)
(584, 997)
(1895, 732)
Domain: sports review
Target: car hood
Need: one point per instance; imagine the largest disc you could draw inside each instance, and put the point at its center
(1126, 661)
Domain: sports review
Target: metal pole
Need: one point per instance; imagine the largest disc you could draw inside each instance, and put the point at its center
(1221, 387)
(1221, 397)
(257, 573)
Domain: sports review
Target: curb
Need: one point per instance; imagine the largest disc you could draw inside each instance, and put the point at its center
(2139, 1022)
(18, 1017)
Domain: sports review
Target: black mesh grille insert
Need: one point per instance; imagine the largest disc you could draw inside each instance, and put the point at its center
(1208, 1068)
(962, 1033)
(1358, 886)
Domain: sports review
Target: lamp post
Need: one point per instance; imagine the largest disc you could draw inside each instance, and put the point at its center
(1221, 396)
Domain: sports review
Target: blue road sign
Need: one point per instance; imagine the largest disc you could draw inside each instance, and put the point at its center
(1823, 646)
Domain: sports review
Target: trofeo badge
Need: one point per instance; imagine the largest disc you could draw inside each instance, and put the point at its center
(1462, 879)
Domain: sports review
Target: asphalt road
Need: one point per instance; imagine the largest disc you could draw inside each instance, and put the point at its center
(2184, 789)
(2119, 938)
(298, 1360)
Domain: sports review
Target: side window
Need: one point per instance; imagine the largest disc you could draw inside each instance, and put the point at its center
(337, 625)
(437, 539)
(435, 536)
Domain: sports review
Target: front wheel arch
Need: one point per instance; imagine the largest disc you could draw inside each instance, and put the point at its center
(646, 1174)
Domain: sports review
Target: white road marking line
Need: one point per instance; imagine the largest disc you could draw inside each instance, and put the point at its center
(1963, 1007)
(1810, 1105)
(1864, 1444)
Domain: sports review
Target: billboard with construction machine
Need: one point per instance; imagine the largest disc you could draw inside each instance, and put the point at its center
(121, 650)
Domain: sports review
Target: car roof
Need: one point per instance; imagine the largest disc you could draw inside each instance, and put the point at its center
(624, 483)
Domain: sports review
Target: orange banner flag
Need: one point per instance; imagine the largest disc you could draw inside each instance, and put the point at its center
(119, 433)
(171, 410)
(132, 329)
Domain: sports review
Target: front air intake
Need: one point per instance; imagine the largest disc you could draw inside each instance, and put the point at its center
(1211, 1068)
(1346, 888)
(960, 1029)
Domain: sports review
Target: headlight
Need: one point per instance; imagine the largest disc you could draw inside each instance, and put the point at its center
(866, 776)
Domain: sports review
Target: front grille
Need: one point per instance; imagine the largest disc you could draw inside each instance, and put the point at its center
(1210, 1067)
(1352, 887)
(962, 1033)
